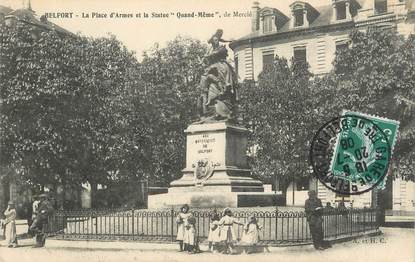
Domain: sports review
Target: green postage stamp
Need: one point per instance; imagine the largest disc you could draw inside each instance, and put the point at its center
(351, 154)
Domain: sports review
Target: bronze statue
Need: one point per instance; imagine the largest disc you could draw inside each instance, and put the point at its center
(218, 84)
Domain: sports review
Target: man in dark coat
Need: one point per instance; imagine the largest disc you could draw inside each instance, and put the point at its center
(40, 222)
(313, 210)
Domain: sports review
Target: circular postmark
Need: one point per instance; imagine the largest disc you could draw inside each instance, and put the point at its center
(350, 154)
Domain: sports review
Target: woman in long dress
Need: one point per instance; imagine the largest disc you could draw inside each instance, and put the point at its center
(227, 233)
(10, 225)
(182, 222)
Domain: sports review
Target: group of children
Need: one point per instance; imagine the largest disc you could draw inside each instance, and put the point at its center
(222, 235)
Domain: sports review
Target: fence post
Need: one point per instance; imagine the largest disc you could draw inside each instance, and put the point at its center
(276, 223)
(64, 224)
(96, 224)
(336, 224)
(378, 217)
(132, 220)
(172, 224)
(364, 221)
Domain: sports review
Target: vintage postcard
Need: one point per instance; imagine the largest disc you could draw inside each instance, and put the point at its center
(194, 130)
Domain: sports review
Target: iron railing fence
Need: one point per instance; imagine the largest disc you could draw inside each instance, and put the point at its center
(278, 227)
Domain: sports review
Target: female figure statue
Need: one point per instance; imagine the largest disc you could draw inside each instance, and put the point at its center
(218, 83)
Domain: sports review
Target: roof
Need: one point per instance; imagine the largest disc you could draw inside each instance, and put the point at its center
(24, 15)
(323, 19)
(5, 10)
(30, 17)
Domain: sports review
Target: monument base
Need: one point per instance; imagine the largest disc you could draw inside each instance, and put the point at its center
(228, 179)
(216, 173)
(214, 199)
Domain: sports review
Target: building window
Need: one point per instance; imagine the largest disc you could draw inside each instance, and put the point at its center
(341, 11)
(267, 60)
(300, 54)
(341, 45)
(267, 25)
(341, 198)
(236, 65)
(298, 17)
(381, 7)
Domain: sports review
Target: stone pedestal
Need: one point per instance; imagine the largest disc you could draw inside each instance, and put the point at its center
(218, 150)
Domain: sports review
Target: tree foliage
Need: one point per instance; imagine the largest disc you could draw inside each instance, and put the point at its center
(162, 108)
(277, 111)
(61, 97)
(76, 109)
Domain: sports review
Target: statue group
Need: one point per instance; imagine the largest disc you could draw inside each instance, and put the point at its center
(218, 84)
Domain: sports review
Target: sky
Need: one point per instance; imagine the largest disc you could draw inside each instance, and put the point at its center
(139, 33)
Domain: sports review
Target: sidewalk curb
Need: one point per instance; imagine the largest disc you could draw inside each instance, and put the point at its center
(109, 245)
(158, 246)
(140, 246)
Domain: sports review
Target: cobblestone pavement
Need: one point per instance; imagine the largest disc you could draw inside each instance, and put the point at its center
(394, 245)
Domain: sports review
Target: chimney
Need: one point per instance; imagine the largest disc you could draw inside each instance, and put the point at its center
(255, 16)
(43, 19)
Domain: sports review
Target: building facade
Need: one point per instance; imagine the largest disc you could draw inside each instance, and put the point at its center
(313, 34)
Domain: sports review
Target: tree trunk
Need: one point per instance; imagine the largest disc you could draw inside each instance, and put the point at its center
(94, 189)
(283, 187)
(3, 196)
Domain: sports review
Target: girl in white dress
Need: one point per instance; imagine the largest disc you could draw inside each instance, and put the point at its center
(181, 221)
(227, 233)
(250, 235)
(214, 230)
(190, 236)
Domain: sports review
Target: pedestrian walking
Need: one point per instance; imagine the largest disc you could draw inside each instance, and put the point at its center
(40, 222)
(227, 232)
(9, 225)
(313, 210)
(182, 222)
(342, 209)
(214, 230)
(35, 207)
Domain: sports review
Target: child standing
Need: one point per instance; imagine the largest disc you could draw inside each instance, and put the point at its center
(251, 235)
(214, 230)
(181, 221)
(190, 238)
(227, 233)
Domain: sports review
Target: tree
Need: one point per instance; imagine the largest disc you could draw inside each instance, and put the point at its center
(163, 105)
(62, 105)
(277, 112)
(78, 109)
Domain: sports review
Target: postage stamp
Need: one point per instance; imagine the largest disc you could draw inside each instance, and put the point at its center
(351, 154)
